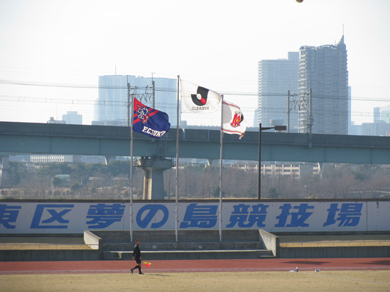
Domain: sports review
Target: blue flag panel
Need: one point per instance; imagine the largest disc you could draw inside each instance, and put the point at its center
(149, 121)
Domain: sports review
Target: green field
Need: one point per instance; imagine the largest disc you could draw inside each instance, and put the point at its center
(371, 281)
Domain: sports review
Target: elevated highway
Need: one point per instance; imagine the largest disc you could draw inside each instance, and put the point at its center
(34, 138)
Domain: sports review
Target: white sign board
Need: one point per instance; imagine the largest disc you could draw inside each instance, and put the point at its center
(301, 216)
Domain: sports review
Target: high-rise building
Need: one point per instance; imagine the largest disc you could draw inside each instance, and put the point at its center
(377, 114)
(276, 77)
(350, 111)
(72, 117)
(111, 107)
(378, 128)
(323, 80)
(385, 113)
(53, 121)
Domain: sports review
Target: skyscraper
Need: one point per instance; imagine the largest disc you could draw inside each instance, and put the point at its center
(276, 77)
(324, 70)
(111, 105)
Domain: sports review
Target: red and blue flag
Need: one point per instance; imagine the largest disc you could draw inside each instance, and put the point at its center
(149, 121)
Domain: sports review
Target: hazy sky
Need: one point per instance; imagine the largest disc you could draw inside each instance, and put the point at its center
(217, 44)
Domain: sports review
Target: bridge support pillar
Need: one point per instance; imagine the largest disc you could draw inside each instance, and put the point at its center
(154, 179)
(108, 159)
(4, 169)
(321, 168)
(213, 162)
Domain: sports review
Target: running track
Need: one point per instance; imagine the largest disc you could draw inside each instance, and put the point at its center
(174, 266)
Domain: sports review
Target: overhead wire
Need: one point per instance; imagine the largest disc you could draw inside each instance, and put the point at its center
(167, 105)
(167, 89)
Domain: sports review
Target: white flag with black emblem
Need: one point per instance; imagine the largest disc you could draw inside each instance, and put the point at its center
(233, 119)
(197, 99)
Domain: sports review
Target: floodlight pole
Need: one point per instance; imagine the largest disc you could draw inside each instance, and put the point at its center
(259, 167)
(278, 128)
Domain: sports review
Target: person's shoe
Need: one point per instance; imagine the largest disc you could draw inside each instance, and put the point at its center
(141, 273)
(131, 270)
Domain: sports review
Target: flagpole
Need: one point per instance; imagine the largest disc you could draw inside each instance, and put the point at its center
(177, 164)
(131, 162)
(220, 174)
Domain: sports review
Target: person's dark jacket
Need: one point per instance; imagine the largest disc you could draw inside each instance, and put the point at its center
(136, 252)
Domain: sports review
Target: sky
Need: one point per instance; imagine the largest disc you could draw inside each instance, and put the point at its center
(52, 51)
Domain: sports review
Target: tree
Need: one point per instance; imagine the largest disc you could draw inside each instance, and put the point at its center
(365, 172)
(51, 169)
(216, 193)
(74, 187)
(273, 193)
(56, 181)
(119, 167)
(16, 171)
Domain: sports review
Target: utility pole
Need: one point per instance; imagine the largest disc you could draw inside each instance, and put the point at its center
(310, 108)
(153, 92)
(302, 102)
(292, 104)
(128, 104)
(288, 111)
(132, 92)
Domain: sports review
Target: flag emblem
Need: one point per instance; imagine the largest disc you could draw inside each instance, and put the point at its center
(149, 121)
(198, 99)
(233, 119)
(142, 113)
(237, 119)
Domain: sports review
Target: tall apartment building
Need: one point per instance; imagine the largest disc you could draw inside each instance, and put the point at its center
(323, 69)
(111, 105)
(275, 78)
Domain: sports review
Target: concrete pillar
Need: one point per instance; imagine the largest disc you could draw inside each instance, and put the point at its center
(305, 170)
(213, 162)
(321, 166)
(4, 169)
(108, 159)
(154, 179)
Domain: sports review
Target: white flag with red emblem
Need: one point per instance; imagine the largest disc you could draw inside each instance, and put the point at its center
(233, 119)
(197, 99)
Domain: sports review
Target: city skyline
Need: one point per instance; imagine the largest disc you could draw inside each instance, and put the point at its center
(52, 52)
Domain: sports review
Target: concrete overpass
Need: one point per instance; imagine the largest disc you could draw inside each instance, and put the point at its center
(33, 138)
(64, 139)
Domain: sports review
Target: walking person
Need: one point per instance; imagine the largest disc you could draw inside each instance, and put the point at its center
(137, 256)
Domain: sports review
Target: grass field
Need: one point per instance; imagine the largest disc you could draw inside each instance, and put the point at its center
(371, 280)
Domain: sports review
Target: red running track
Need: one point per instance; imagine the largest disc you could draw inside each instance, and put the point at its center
(170, 266)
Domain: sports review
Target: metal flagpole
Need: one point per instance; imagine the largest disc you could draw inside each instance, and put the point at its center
(220, 174)
(131, 162)
(177, 164)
